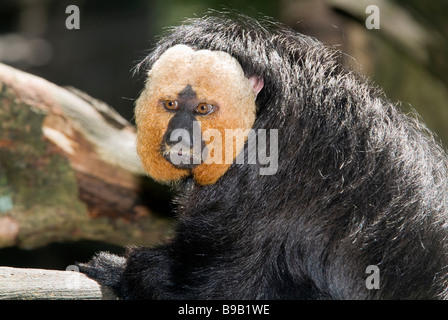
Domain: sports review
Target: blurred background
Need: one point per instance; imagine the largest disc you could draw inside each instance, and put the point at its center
(407, 57)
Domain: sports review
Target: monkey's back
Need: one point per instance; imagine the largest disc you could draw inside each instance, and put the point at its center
(358, 182)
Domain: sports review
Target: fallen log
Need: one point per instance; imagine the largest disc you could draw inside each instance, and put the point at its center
(69, 169)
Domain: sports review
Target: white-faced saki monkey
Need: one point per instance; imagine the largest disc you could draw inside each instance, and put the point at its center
(296, 179)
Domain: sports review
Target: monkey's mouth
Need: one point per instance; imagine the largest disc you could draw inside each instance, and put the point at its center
(182, 156)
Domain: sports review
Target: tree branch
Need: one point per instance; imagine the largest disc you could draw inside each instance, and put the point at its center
(39, 284)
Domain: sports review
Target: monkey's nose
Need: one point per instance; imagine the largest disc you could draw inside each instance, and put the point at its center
(180, 135)
(184, 127)
(181, 155)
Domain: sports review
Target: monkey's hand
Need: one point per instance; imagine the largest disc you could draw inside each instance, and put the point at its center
(105, 268)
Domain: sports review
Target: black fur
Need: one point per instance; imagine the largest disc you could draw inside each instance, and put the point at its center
(358, 183)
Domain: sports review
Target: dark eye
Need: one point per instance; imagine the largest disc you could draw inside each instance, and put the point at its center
(170, 104)
(204, 108)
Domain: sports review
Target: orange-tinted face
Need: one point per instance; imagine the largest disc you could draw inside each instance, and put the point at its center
(205, 86)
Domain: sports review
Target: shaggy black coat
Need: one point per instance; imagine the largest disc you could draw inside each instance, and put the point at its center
(358, 183)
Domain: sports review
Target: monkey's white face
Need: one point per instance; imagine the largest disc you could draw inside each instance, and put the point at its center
(186, 86)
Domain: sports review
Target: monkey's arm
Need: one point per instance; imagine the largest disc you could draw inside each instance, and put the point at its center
(142, 274)
(105, 268)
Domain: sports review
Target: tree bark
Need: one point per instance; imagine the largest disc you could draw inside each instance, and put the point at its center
(69, 169)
